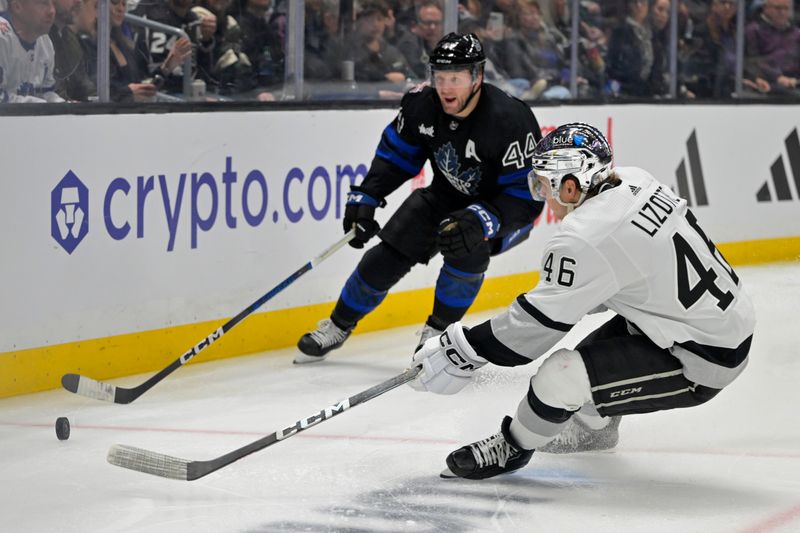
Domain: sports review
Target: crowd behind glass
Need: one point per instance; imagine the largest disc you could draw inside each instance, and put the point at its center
(265, 50)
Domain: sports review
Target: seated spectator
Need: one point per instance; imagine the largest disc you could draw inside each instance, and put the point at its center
(323, 49)
(375, 59)
(535, 51)
(469, 11)
(658, 19)
(127, 65)
(630, 62)
(72, 81)
(425, 32)
(550, 52)
(163, 49)
(773, 50)
(27, 58)
(227, 67)
(711, 63)
(262, 43)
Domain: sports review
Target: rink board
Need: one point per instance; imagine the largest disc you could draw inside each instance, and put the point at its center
(128, 238)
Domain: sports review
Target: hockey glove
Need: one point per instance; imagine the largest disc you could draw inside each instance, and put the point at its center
(448, 362)
(463, 230)
(359, 212)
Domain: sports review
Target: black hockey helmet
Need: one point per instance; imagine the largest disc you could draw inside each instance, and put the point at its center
(457, 52)
(577, 150)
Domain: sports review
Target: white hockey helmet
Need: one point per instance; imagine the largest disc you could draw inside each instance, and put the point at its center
(574, 150)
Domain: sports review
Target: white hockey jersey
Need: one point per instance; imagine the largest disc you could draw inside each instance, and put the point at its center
(637, 250)
(26, 72)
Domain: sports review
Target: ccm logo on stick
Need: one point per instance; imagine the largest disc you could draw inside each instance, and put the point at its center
(309, 421)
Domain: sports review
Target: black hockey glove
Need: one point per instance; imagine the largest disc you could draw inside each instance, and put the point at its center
(463, 230)
(360, 211)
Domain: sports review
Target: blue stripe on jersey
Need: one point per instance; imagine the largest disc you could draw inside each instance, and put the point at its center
(520, 176)
(514, 238)
(541, 317)
(392, 148)
(518, 192)
(413, 151)
(358, 295)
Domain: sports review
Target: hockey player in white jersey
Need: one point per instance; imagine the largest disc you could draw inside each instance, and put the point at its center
(27, 58)
(683, 323)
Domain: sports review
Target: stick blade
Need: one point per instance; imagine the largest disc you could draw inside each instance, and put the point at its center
(148, 462)
(89, 387)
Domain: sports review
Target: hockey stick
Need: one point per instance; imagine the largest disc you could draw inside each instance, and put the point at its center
(170, 467)
(110, 393)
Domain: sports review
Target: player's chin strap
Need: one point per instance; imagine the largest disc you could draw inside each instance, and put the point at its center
(469, 99)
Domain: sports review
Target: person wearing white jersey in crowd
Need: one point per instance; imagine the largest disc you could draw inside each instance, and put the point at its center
(27, 59)
(681, 333)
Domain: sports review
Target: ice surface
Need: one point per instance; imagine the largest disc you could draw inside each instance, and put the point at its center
(732, 465)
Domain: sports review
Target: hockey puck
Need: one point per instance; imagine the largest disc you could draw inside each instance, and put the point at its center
(62, 428)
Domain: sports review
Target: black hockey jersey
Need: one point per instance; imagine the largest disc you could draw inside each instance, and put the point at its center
(484, 157)
(158, 44)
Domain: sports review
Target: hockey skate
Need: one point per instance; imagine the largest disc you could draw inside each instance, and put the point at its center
(578, 437)
(426, 333)
(316, 344)
(489, 457)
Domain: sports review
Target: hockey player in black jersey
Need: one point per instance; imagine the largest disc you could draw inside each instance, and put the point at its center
(681, 333)
(479, 141)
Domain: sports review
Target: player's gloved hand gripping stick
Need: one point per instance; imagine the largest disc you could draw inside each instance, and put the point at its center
(448, 362)
(110, 393)
(359, 214)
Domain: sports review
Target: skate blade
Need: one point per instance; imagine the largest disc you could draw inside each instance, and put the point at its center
(303, 359)
(447, 474)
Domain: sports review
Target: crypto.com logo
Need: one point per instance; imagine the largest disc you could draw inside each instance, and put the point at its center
(69, 212)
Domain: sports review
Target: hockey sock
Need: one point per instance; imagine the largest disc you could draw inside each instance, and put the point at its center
(455, 292)
(356, 301)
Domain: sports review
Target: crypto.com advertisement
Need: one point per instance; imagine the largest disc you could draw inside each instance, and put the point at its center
(125, 223)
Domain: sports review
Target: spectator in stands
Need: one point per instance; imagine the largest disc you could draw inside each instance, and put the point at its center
(27, 58)
(127, 65)
(72, 80)
(472, 19)
(551, 50)
(659, 13)
(630, 62)
(163, 49)
(404, 12)
(711, 64)
(773, 49)
(535, 51)
(323, 48)
(556, 13)
(228, 68)
(418, 42)
(262, 43)
(375, 59)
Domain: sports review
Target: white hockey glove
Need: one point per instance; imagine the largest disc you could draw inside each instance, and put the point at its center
(448, 362)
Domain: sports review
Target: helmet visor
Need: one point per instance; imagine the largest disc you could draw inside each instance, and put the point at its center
(456, 79)
(539, 186)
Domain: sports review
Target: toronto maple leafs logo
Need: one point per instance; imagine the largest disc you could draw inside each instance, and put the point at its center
(466, 181)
